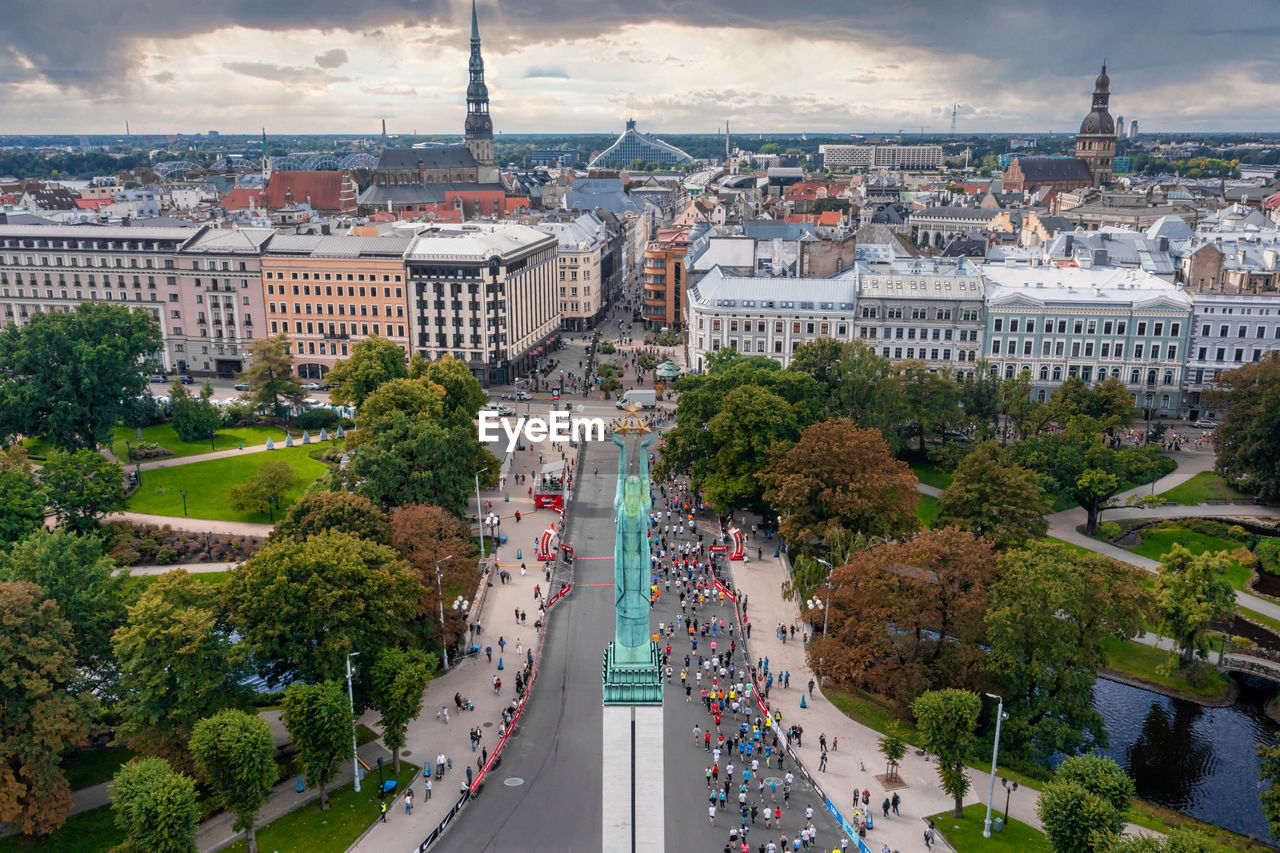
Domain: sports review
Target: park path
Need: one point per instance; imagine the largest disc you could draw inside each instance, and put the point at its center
(196, 525)
(192, 568)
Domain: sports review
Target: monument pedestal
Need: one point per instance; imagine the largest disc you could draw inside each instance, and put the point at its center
(632, 781)
(632, 681)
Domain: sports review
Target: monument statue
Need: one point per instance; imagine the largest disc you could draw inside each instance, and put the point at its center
(631, 571)
(632, 674)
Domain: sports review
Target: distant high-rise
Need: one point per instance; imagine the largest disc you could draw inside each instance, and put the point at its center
(1133, 128)
(1119, 127)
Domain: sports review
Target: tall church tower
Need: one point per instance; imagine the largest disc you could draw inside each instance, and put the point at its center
(1096, 142)
(479, 127)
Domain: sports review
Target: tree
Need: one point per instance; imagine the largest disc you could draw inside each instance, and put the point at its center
(412, 397)
(1083, 807)
(302, 606)
(1269, 771)
(1028, 416)
(840, 476)
(270, 375)
(947, 720)
(1248, 440)
(155, 806)
(425, 536)
(21, 497)
(751, 426)
(176, 664)
(319, 720)
(373, 361)
(893, 748)
(994, 498)
(81, 485)
(265, 489)
(405, 459)
(980, 396)
(340, 512)
(65, 374)
(235, 756)
(1048, 616)
(463, 395)
(906, 617)
(41, 718)
(930, 401)
(73, 572)
(399, 677)
(194, 418)
(1192, 591)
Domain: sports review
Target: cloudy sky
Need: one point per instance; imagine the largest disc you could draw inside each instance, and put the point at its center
(571, 66)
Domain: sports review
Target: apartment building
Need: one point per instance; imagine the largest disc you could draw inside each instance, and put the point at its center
(328, 293)
(664, 278)
(881, 156)
(487, 294)
(583, 242)
(210, 325)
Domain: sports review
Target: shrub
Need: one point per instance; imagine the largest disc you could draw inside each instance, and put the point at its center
(1237, 533)
(1110, 529)
(166, 556)
(1267, 553)
(1244, 557)
(607, 347)
(316, 419)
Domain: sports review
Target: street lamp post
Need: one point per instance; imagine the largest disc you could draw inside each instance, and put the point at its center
(1009, 788)
(480, 514)
(444, 650)
(995, 751)
(183, 492)
(826, 609)
(351, 699)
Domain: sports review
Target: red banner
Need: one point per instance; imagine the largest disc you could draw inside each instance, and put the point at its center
(718, 549)
(727, 592)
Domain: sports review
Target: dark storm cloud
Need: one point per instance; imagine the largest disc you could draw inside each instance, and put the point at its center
(537, 71)
(332, 58)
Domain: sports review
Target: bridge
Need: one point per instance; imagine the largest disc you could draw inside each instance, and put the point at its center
(1263, 667)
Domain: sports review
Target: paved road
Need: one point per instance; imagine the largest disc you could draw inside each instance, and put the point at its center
(557, 749)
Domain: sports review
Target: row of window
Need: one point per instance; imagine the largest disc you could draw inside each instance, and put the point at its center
(278, 289)
(337, 276)
(1087, 327)
(1224, 330)
(1086, 348)
(343, 309)
(966, 315)
(30, 261)
(332, 331)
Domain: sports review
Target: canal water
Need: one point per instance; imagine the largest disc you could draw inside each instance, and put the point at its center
(1197, 760)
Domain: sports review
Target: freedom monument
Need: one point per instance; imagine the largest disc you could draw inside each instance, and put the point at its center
(632, 667)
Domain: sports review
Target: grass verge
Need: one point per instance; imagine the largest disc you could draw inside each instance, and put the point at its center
(927, 509)
(965, 834)
(928, 473)
(1205, 486)
(88, 767)
(207, 483)
(332, 831)
(165, 436)
(1156, 543)
(1146, 663)
(94, 831)
(1163, 820)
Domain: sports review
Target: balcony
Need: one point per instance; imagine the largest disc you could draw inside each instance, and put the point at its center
(337, 336)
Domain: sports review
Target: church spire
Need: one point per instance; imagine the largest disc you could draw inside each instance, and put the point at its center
(475, 25)
(478, 127)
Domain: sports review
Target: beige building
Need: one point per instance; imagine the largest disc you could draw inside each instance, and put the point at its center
(582, 241)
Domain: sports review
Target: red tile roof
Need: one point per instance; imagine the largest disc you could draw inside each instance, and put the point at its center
(829, 217)
(239, 198)
(323, 191)
(92, 203)
(1271, 202)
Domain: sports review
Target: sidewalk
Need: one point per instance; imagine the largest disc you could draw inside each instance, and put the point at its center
(197, 525)
(192, 568)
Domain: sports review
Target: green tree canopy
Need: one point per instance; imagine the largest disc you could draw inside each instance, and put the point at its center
(1269, 771)
(1028, 415)
(272, 382)
(73, 572)
(463, 396)
(929, 401)
(404, 458)
(1084, 806)
(855, 383)
(339, 512)
(41, 717)
(947, 721)
(302, 606)
(1248, 440)
(194, 418)
(1048, 616)
(65, 374)
(81, 485)
(751, 427)
(412, 397)
(176, 664)
(1192, 591)
(265, 489)
(374, 361)
(981, 397)
(838, 476)
(235, 756)
(994, 498)
(318, 717)
(21, 497)
(399, 677)
(155, 806)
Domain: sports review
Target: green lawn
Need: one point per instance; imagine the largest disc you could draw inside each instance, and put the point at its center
(94, 831)
(1261, 619)
(965, 834)
(927, 509)
(314, 831)
(928, 473)
(1156, 543)
(207, 483)
(37, 448)
(868, 709)
(1145, 662)
(1165, 821)
(88, 767)
(164, 435)
(1071, 546)
(1205, 486)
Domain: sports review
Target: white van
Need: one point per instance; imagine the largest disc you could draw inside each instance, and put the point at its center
(647, 399)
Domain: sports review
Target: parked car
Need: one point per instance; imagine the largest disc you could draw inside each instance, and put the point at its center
(241, 386)
(955, 435)
(185, 379)
(313, 386)
(159, 377)
(311, 403)
(503, 410)
(523, 395)
(1205, 423)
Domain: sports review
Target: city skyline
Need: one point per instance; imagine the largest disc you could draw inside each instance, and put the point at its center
(568, 67)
